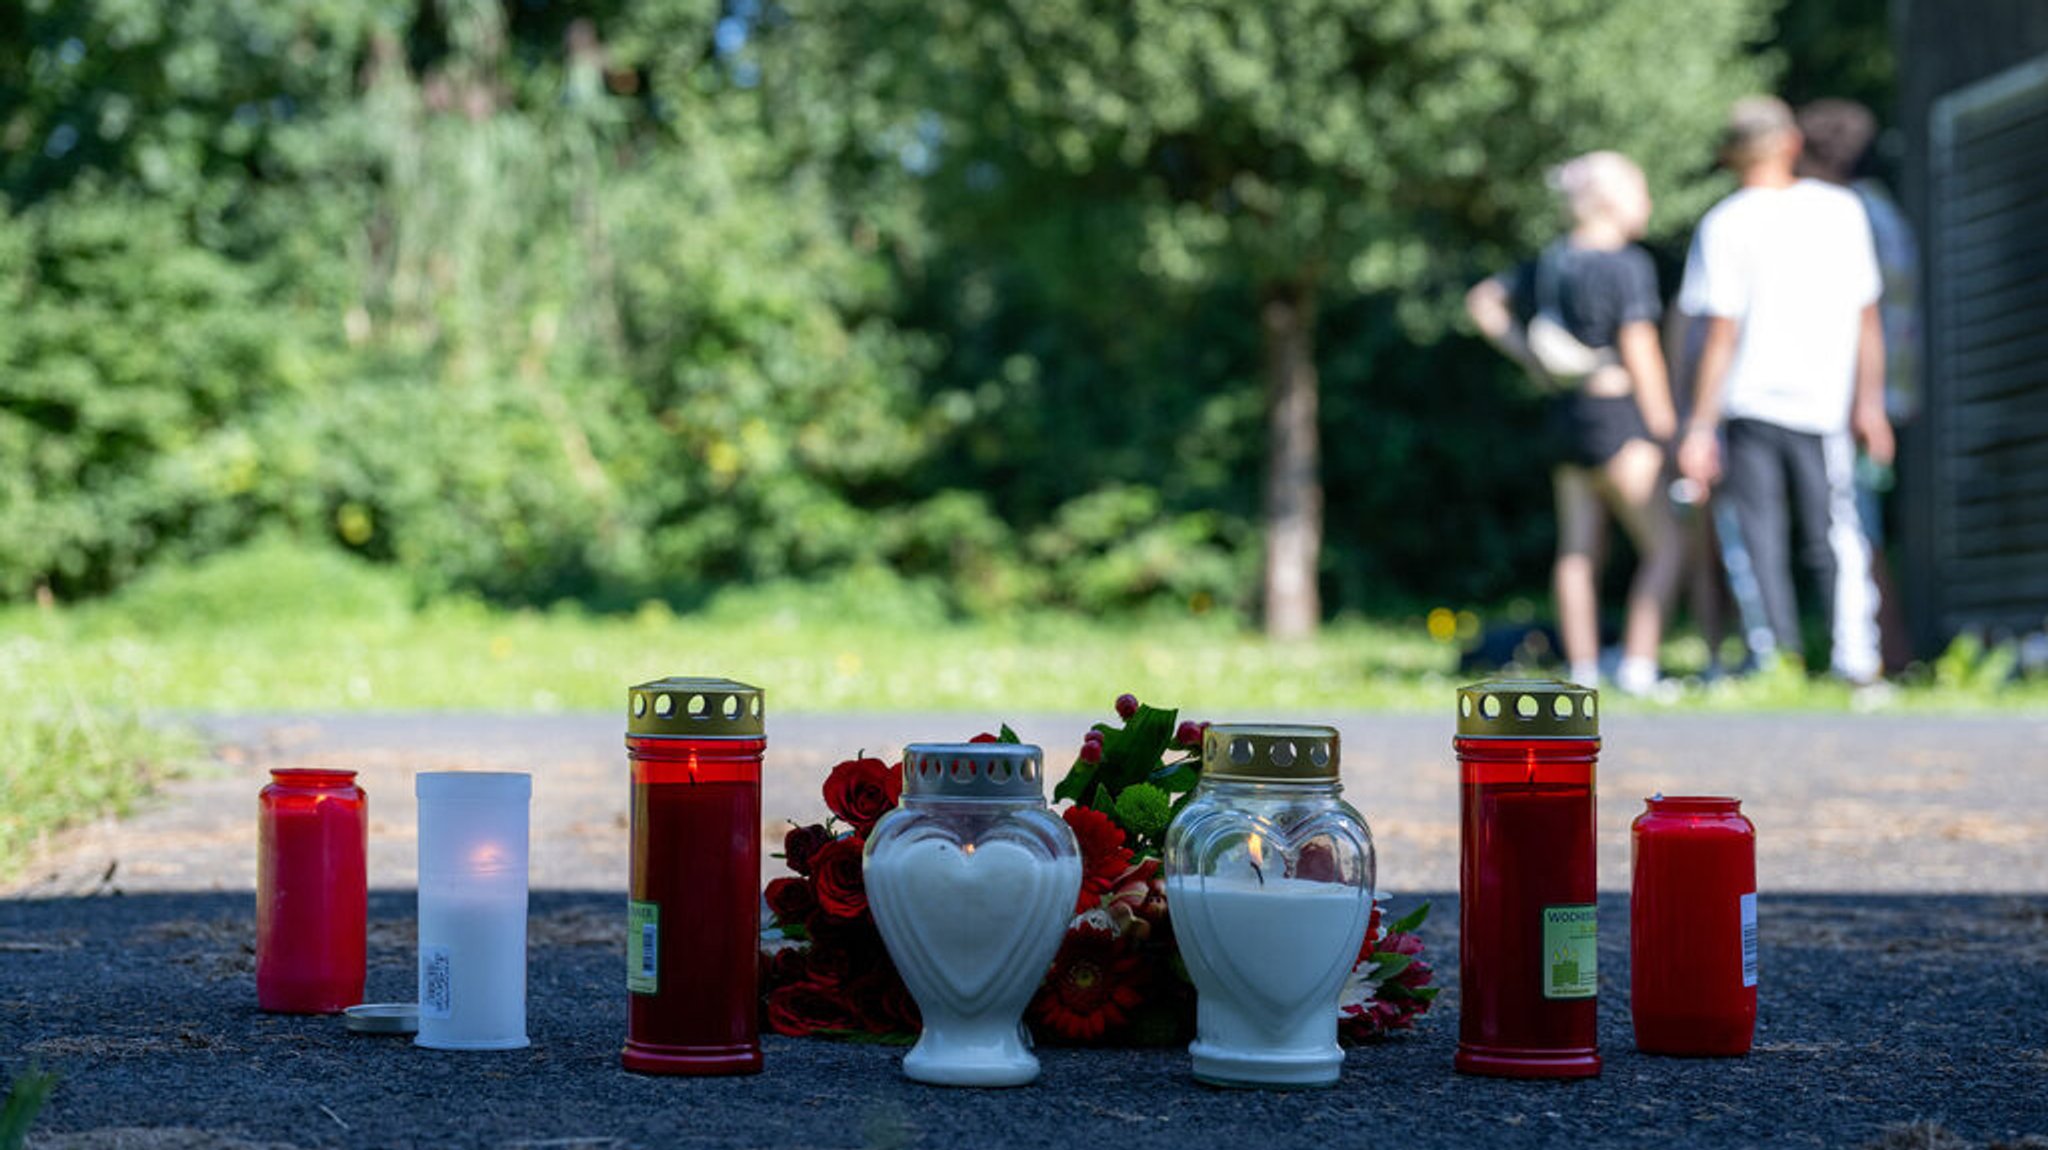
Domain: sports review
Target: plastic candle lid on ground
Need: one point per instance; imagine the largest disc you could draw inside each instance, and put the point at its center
(383, 1018)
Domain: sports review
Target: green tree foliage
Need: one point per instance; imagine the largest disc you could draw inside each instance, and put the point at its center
(629, 299)
(447, 282)
(1298, 154)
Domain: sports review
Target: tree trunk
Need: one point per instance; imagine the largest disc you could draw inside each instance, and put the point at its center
(1294, 485)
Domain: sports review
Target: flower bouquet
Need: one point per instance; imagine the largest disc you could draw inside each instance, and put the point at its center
(1118, 977)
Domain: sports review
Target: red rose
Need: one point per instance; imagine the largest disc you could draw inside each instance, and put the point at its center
(791, 899)
(842, 949)
(782, 966)
(861, 791)
(808, 1008)
(801, 843)
(884, 1003)
(835, 870)
(1104, 857)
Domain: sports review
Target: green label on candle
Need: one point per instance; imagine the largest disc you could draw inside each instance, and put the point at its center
(643, 938)
(1570, 954)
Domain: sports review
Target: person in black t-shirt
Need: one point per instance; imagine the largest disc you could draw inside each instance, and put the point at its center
(1582, 317)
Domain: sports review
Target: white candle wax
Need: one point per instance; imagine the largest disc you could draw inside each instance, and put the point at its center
(972, 931)
(1268, 962)
(472, 916)
(472, 966)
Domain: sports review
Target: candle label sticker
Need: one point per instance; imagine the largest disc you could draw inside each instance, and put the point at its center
(437, 990)
(643, 935)
(1749, 939)
(1570, 954)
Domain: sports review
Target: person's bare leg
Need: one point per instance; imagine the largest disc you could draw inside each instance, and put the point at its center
(1633, 481)
(1580, 519)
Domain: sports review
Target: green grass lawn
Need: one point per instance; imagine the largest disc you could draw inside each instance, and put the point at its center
(279, 630)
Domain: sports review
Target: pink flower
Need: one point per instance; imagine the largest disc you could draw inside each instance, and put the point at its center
(1136, 901)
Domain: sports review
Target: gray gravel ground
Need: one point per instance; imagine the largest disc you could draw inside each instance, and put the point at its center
(1904, 936)
(1875, 1010)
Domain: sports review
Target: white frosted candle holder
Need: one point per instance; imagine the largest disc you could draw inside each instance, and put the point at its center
(972, 881)
(1268, 874)
(472, 917)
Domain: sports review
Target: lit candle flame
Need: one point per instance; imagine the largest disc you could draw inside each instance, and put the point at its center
(1258, 857)
(967, 849)
(693, 764)
(487, 858)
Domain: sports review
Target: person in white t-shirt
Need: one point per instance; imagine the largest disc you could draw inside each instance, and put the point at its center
(1784, 274)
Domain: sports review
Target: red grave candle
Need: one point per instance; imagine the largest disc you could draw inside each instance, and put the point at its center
(694, 915)
(1692, 927)
(312, 891)
(1528, 974)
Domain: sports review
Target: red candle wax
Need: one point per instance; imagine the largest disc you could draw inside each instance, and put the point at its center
(1692, 927)
(695, 914)
(1528, 981)
(312, 891)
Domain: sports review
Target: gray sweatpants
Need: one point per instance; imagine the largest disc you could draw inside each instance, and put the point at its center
(1777, 483)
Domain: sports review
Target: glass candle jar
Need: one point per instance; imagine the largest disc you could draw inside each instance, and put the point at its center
(312, 891)
(1269, 875)
(694, 911)
(972, 881)
(1528, 974)
(1692, 927)
(472, 957)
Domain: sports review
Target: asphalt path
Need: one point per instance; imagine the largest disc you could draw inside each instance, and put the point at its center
(1876, 803)
(1874, 1012)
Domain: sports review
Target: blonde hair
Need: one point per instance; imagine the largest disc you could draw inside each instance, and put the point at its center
(1596, 184)
(1755, 126)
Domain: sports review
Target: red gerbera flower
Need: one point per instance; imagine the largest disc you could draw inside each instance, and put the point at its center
(1104, 857)
(1093, 987)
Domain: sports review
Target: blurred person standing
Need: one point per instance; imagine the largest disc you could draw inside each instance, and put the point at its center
(1838, 142)
(1582, 318)
(1786, 277)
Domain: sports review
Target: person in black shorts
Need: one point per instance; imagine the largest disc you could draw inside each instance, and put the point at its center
(1582, 317)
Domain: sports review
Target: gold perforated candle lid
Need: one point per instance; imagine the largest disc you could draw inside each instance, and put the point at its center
(1528, 709)
(1270, 752)
(692, 708)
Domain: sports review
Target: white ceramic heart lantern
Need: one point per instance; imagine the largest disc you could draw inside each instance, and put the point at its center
(1268, 874)
(972, 881)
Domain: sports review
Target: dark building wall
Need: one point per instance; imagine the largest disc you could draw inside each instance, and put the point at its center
(1974, 465)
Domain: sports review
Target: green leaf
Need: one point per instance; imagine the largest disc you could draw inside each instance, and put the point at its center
(1408, 923)
(1135, 750)
(1006, 735)
(1106, 803)
(1175, 778)
(31, 1088)
(1077, 783)
(1386, 964)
